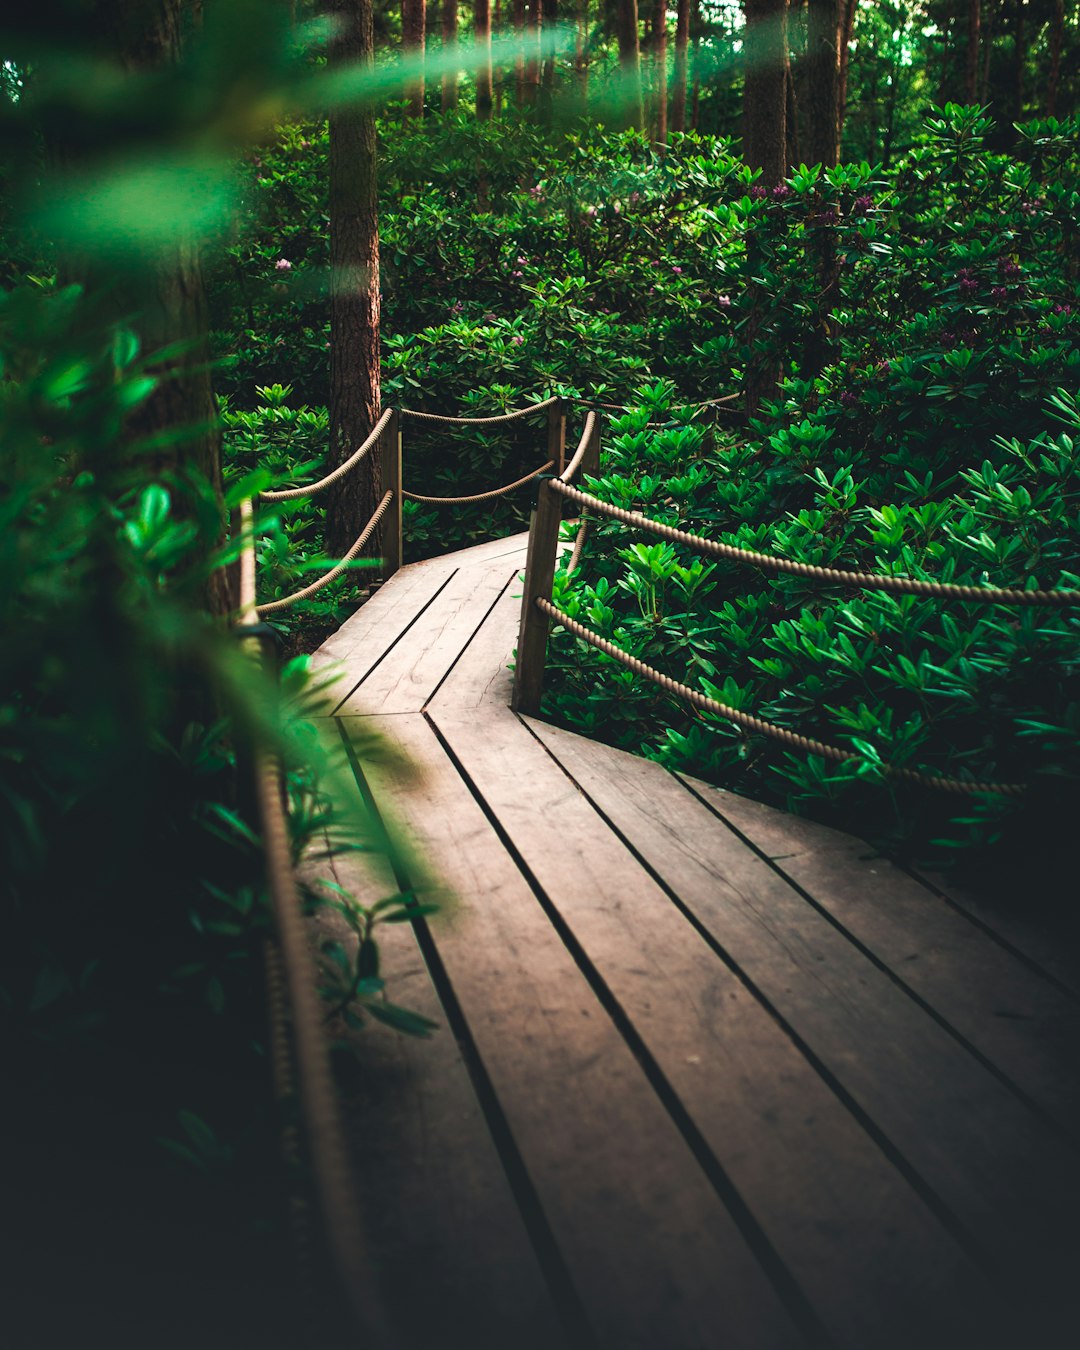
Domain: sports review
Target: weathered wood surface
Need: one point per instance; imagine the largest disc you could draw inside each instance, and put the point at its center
(740, 1083)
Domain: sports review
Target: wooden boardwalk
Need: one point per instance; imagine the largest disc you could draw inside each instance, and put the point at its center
(707, 1075)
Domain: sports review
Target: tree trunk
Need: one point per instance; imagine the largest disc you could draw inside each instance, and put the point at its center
(971, 63)
(821, 84)
(532, 49)
(765, 89)
(449, 37)
(355, 393)
(682, 66)
(413, 28)
(630, 63)
(482, 37)
(1020, 56)
(581, 61)
(1056, 33)
(794, 155)
(846, 32)
(549, 14)
(659, 65)
(519, 62)
(695, 100)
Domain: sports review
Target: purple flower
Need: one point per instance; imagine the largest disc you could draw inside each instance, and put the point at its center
(517, 340)
(848, 399)
(517, 275)
(457, 307)
(968, 286)
(758, 192)
(283, 265)
(1063, 309)
(676, 270)
(863, 204)
(522, 260)
(1011, 270)
(780, 191)
(999, 293)
(305, 145)
(724, 301)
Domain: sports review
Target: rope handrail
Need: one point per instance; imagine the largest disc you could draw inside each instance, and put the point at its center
(771, 562)
(332, 1172)
(289, 494)
(497, 420)
(272, 606)
(582, 449)
(480, 496)
(759, 724)
(625, 407)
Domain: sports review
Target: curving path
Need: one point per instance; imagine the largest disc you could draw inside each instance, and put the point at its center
(707, 1075)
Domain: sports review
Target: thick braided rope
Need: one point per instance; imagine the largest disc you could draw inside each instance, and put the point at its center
(289, 494)
(770, 562)
(272, 606)
(582, 448)
(480, 496)
(625, 407)
(579, 544)
(479, 421)
(759, 724)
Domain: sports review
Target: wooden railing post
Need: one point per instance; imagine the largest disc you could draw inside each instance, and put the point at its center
(556, 416)
(390, 452)
(539, 575)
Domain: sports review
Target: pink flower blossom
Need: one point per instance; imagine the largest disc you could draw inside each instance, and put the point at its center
(517, 340)
(283, 265)
(677, 271)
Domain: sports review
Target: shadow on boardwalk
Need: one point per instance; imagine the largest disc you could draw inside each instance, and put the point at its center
(708, 1075)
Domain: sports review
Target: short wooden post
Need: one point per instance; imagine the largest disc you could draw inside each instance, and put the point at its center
(556, 416)
(390, 450)
(539, 576)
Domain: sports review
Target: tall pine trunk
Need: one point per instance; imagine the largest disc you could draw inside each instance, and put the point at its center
(630, 95)
(658, 46)
(971, 59)
(449, 38)
(355, 391)
(581, 61)
(847, 30)
(682, 66)
(1054, 80)
(820, 88)
(765, 88)
(482, 37)
(413, 30)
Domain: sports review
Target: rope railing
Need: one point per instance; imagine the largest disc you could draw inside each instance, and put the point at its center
(293, 967)
(480, 496)
(497, 420)
(771, 562)
(290, 494)
(750, 722)
(578, 457)
(272, 606)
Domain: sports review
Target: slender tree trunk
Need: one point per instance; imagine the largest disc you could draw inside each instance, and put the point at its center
(794, 154)
(482, 37)
(532, 53)
(581, 61)
(847, 29)
(988, 16)
(971, 62)
(821, 85)
(1020, 56)
(682, 66)
(630, 63)
(549, 14)
(1054, 80)
(355, 392)
(449, 37)
(695, 99)
(413, 28)
(765, 88)
(519, 62)
(659, 65)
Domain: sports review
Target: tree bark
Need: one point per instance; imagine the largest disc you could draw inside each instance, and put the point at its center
(549, 16)
(695, 97)
(581, 61)
(413, 30)
(821, 86)
(1020, 56)
(682, 66)
(449, 37)
(1054, 81)
(658, 45)
(482, 36)
(847, 30)
(630, 63)
(971, 62)
(519, 62)
(532, 49)
(765, 88)
(355, 390)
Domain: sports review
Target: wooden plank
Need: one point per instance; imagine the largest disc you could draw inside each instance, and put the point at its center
(653, 1254)
(1023, 1024)
(437, 1206)
(849, 1227)
(1049, 942)
(482, 673)
(411, 671)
